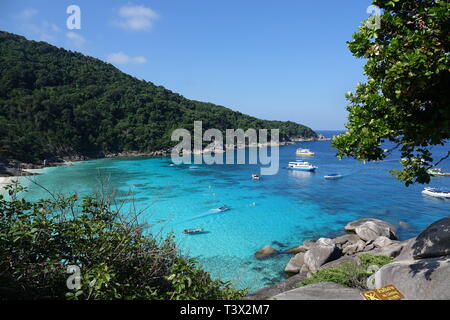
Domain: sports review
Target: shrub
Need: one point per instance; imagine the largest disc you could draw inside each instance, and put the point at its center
(117, 259)
(348, 274)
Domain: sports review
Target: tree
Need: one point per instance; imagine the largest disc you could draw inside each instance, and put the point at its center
(406, 98)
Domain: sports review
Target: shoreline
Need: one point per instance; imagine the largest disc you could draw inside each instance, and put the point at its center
(14, 169)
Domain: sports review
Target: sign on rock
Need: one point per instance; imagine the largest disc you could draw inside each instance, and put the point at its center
(389, 292)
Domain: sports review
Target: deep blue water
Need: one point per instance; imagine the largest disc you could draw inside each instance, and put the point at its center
(281, 210)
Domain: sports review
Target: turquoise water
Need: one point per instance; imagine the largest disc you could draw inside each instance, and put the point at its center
(281, 210)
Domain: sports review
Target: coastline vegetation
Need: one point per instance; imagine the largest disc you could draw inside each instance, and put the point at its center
(58, 103)
(348, 274)
(406, 97)
(116, 255)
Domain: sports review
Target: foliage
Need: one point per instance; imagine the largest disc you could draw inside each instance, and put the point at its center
(406, 98)
(348, 274)
(56, 103)
(116, 257)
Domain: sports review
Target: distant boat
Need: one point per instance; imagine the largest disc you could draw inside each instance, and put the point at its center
(437, 192)
(193, 167)
(437, 172)
(192, 231)
(256, 177)
(302, 166)
(304, 152)
(333, 176)
(223, 208)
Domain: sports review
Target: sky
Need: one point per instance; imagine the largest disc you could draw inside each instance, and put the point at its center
(277, 60)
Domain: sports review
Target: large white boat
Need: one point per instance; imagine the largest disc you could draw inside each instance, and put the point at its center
(302, 166)
(437, 192)
(304, 152)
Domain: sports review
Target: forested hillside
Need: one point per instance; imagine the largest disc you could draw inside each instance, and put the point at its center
(56, 103)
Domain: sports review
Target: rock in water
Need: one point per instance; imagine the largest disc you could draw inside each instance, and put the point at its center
(371, 230)
(265, 252)
(319, 255)
(383, 225)
(296, 250)
(295, 264)
(425, 279)
(434, 241)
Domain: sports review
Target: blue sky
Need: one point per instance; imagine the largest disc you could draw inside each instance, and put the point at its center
(279, 60)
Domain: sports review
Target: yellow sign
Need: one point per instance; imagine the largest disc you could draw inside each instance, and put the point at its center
(389, 292)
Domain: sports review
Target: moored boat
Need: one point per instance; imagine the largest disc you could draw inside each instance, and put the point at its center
(302, 166)
(437, 172)
(333, 176)
(304, 152)
(256, 177)
(192, 231)
(437, 192)
(223, 208)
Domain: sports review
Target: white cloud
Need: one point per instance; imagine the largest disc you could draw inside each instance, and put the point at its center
(122, 58)
(28, 13)
(137, 18)
(75, 39)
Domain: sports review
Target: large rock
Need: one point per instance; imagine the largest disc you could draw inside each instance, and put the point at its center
(319, 255)
(265, 252)
(296, 250)
(320, 291)
(425, 279)
(295, 264)
(434, 241)
(381, 227)
(382, 241)
(325, 242)
(371, 230)
(407, 251)
(347, 239)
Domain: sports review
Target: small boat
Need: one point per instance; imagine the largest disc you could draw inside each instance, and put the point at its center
(302, 166)
(256, 177)
(192, 231)
(304, 152)
(437, 172)
(193, 167)
(223, 208)
(437, 192)
(333, 176)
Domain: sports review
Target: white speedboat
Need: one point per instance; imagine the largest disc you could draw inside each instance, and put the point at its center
(437, 192)
(333, 176)
(256, 177)
(302, 166)
(304, 152)
(437, 172)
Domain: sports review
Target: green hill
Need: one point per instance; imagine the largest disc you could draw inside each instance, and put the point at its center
(56, 103)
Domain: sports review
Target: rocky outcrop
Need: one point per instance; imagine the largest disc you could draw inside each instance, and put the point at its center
(420, 269)
(434, 241)
(265, 252)
(320, 291)
(323, 251)
(370, 229)
(424, 279)
(296, 263)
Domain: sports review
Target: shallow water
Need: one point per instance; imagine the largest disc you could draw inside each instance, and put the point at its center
(281, 210)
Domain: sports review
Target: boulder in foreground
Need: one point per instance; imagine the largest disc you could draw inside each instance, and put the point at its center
(434, 241)
(320, 291)
(425, 279)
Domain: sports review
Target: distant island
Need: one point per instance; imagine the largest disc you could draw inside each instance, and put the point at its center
(60, 105)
